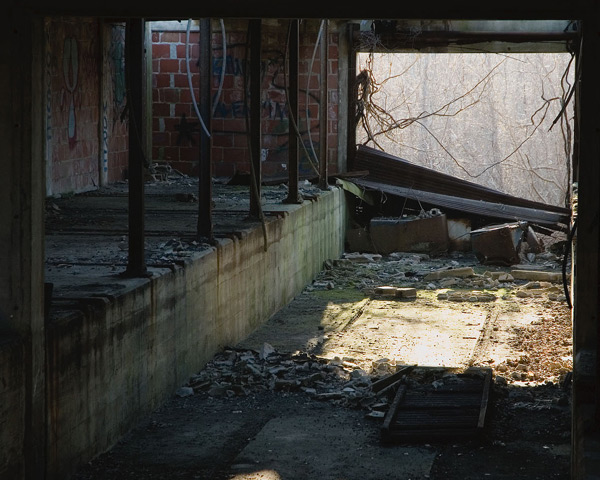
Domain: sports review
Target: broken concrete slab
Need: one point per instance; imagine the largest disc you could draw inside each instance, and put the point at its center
(362, 257)
(461, 272)
(537, 275)
(406, 292)
(399, 292)
(386, 290)
(500, 276)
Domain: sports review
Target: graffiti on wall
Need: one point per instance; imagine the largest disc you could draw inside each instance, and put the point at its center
(233, 66)
(116, 57)
(105, 137)
(70, 77)
(272, 70)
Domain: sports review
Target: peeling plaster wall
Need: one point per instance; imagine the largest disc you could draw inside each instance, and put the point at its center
(113, 360)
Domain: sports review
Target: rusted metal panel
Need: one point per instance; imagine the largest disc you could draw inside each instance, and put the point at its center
(498, 244)
(548, 218)
(426, 235)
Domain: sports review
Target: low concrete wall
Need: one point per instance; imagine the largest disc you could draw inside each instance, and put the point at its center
(12, 407)
(112, 360)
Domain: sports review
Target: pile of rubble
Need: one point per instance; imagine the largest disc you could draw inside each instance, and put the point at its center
(234, 373)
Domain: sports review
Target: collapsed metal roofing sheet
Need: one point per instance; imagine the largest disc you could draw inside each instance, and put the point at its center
(396, 176)
(497, 210)
(392, 170)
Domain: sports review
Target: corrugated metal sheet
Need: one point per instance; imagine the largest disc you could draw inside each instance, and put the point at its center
(392, 170)
(546, 218)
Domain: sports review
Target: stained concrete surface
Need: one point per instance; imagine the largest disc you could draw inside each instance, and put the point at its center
(290, 434)
(265, 432)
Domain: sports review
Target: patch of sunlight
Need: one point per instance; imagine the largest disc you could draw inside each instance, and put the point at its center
(260, 475)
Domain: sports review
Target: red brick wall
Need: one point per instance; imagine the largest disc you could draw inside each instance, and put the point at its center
(114, 137)
(72, 67)
(172, 99)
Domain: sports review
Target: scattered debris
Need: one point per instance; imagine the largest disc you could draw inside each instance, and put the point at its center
(452, 272)
(536, 275)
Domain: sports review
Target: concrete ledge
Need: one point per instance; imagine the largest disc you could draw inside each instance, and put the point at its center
(116, 354)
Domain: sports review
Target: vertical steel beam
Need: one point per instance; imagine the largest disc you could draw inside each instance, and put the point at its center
(205, 223)
(255, 126)
(352, 98)
(586, 258)
(134, 64)
(324, 108)
(293, 169)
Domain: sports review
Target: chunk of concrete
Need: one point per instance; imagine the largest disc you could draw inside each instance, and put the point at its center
(406, 292)
(461, 272)
(537, 276)
(386, 290)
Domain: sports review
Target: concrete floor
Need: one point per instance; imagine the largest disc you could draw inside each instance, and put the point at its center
(276, 435)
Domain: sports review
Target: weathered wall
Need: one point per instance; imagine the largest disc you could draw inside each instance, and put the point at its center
(114, 148)
(175, 139)
(72, 104)
(113, 360)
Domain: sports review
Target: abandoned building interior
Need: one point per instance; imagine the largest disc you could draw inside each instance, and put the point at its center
(250, 240)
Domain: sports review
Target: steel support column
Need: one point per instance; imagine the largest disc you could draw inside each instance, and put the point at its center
(255, 126)
(324, 108)
(134, 64)
(205, 222)
(352, 99)
(293, 170)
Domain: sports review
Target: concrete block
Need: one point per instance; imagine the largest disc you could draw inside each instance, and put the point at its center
(537, 276)
(385, 290)
(450, 272)
(406, 292)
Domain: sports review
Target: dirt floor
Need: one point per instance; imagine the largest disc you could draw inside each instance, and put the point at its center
(297, 399)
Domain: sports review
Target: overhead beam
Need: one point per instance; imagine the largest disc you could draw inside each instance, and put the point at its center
(316, 9)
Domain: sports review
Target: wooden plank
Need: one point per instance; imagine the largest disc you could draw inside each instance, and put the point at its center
(390, 379)
(391, 414)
